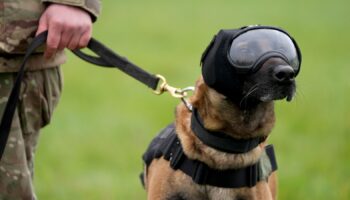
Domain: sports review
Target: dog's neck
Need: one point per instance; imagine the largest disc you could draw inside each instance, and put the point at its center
(224, 116)
(220, 114)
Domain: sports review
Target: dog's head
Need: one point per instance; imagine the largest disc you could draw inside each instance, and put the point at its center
(252, 64)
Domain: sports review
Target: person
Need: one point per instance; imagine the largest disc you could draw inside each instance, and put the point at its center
(69, 25)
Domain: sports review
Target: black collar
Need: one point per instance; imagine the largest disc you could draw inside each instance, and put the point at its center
(219, 140)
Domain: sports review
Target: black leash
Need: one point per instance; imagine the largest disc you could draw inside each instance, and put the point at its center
(110, 59)
(11, 105)
(107, 58)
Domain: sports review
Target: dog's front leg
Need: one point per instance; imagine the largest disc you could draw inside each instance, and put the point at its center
(272, 181)
(164, 183)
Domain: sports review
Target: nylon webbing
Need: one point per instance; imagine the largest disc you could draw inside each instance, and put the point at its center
(108, 58)
(220, 140)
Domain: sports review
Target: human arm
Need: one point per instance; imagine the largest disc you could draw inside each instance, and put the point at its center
(69, 24)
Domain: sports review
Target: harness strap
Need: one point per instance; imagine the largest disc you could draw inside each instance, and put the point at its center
(270, 151)
(107, 58)
(201, 173)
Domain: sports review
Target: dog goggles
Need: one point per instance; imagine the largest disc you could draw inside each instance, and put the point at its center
(251, 48)
(234, 53)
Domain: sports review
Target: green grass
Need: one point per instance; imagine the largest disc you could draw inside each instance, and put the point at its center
(105, 120)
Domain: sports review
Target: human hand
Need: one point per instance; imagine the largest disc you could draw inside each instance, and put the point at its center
(68, 27)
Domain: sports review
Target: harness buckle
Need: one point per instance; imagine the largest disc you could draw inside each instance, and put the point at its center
(253, 175)
(200, 173)
(176, 157)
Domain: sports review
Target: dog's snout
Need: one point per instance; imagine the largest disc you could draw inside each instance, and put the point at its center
(283, 73)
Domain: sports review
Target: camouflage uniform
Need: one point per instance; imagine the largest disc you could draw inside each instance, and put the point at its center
(40, 92)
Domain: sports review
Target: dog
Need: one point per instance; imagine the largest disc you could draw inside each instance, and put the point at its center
(241, 113)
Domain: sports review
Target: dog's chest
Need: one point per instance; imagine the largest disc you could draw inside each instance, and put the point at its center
(223, 194)
(237, 194)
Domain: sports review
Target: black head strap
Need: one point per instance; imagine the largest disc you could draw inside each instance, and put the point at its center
(219, 140)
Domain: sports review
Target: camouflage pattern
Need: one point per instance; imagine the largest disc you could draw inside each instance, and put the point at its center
(40, 92)
(18, 24)
(19, 20)
(92, 6)
(35, 62)
(39, 96)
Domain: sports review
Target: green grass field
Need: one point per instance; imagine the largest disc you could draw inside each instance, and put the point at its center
(105, 120)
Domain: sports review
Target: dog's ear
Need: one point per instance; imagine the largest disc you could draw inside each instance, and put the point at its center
(199, 92)
(200, 99)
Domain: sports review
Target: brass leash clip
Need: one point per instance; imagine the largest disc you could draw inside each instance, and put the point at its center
(165, 87)
(175, 92)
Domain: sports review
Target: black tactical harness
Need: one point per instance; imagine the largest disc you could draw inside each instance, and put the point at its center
(168, 146)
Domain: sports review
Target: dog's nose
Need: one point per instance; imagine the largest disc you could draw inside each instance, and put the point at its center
(283, 73)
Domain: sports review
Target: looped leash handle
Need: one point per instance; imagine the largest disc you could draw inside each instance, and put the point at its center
(91, 59)
(6, 120)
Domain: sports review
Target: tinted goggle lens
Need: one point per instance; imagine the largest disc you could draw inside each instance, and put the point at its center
(248, 48)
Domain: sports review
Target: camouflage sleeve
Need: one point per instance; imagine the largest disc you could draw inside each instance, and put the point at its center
(92, 6)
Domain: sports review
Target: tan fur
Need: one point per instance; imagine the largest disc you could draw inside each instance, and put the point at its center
(218, 115)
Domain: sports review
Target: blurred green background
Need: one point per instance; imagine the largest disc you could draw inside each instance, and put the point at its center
(105, 120)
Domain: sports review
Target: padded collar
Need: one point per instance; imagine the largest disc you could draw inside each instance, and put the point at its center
(221, 141)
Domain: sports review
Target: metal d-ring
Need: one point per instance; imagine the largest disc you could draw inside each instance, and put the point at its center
(184, 100)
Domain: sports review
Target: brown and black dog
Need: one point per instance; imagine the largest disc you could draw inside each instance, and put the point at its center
(251, 117)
